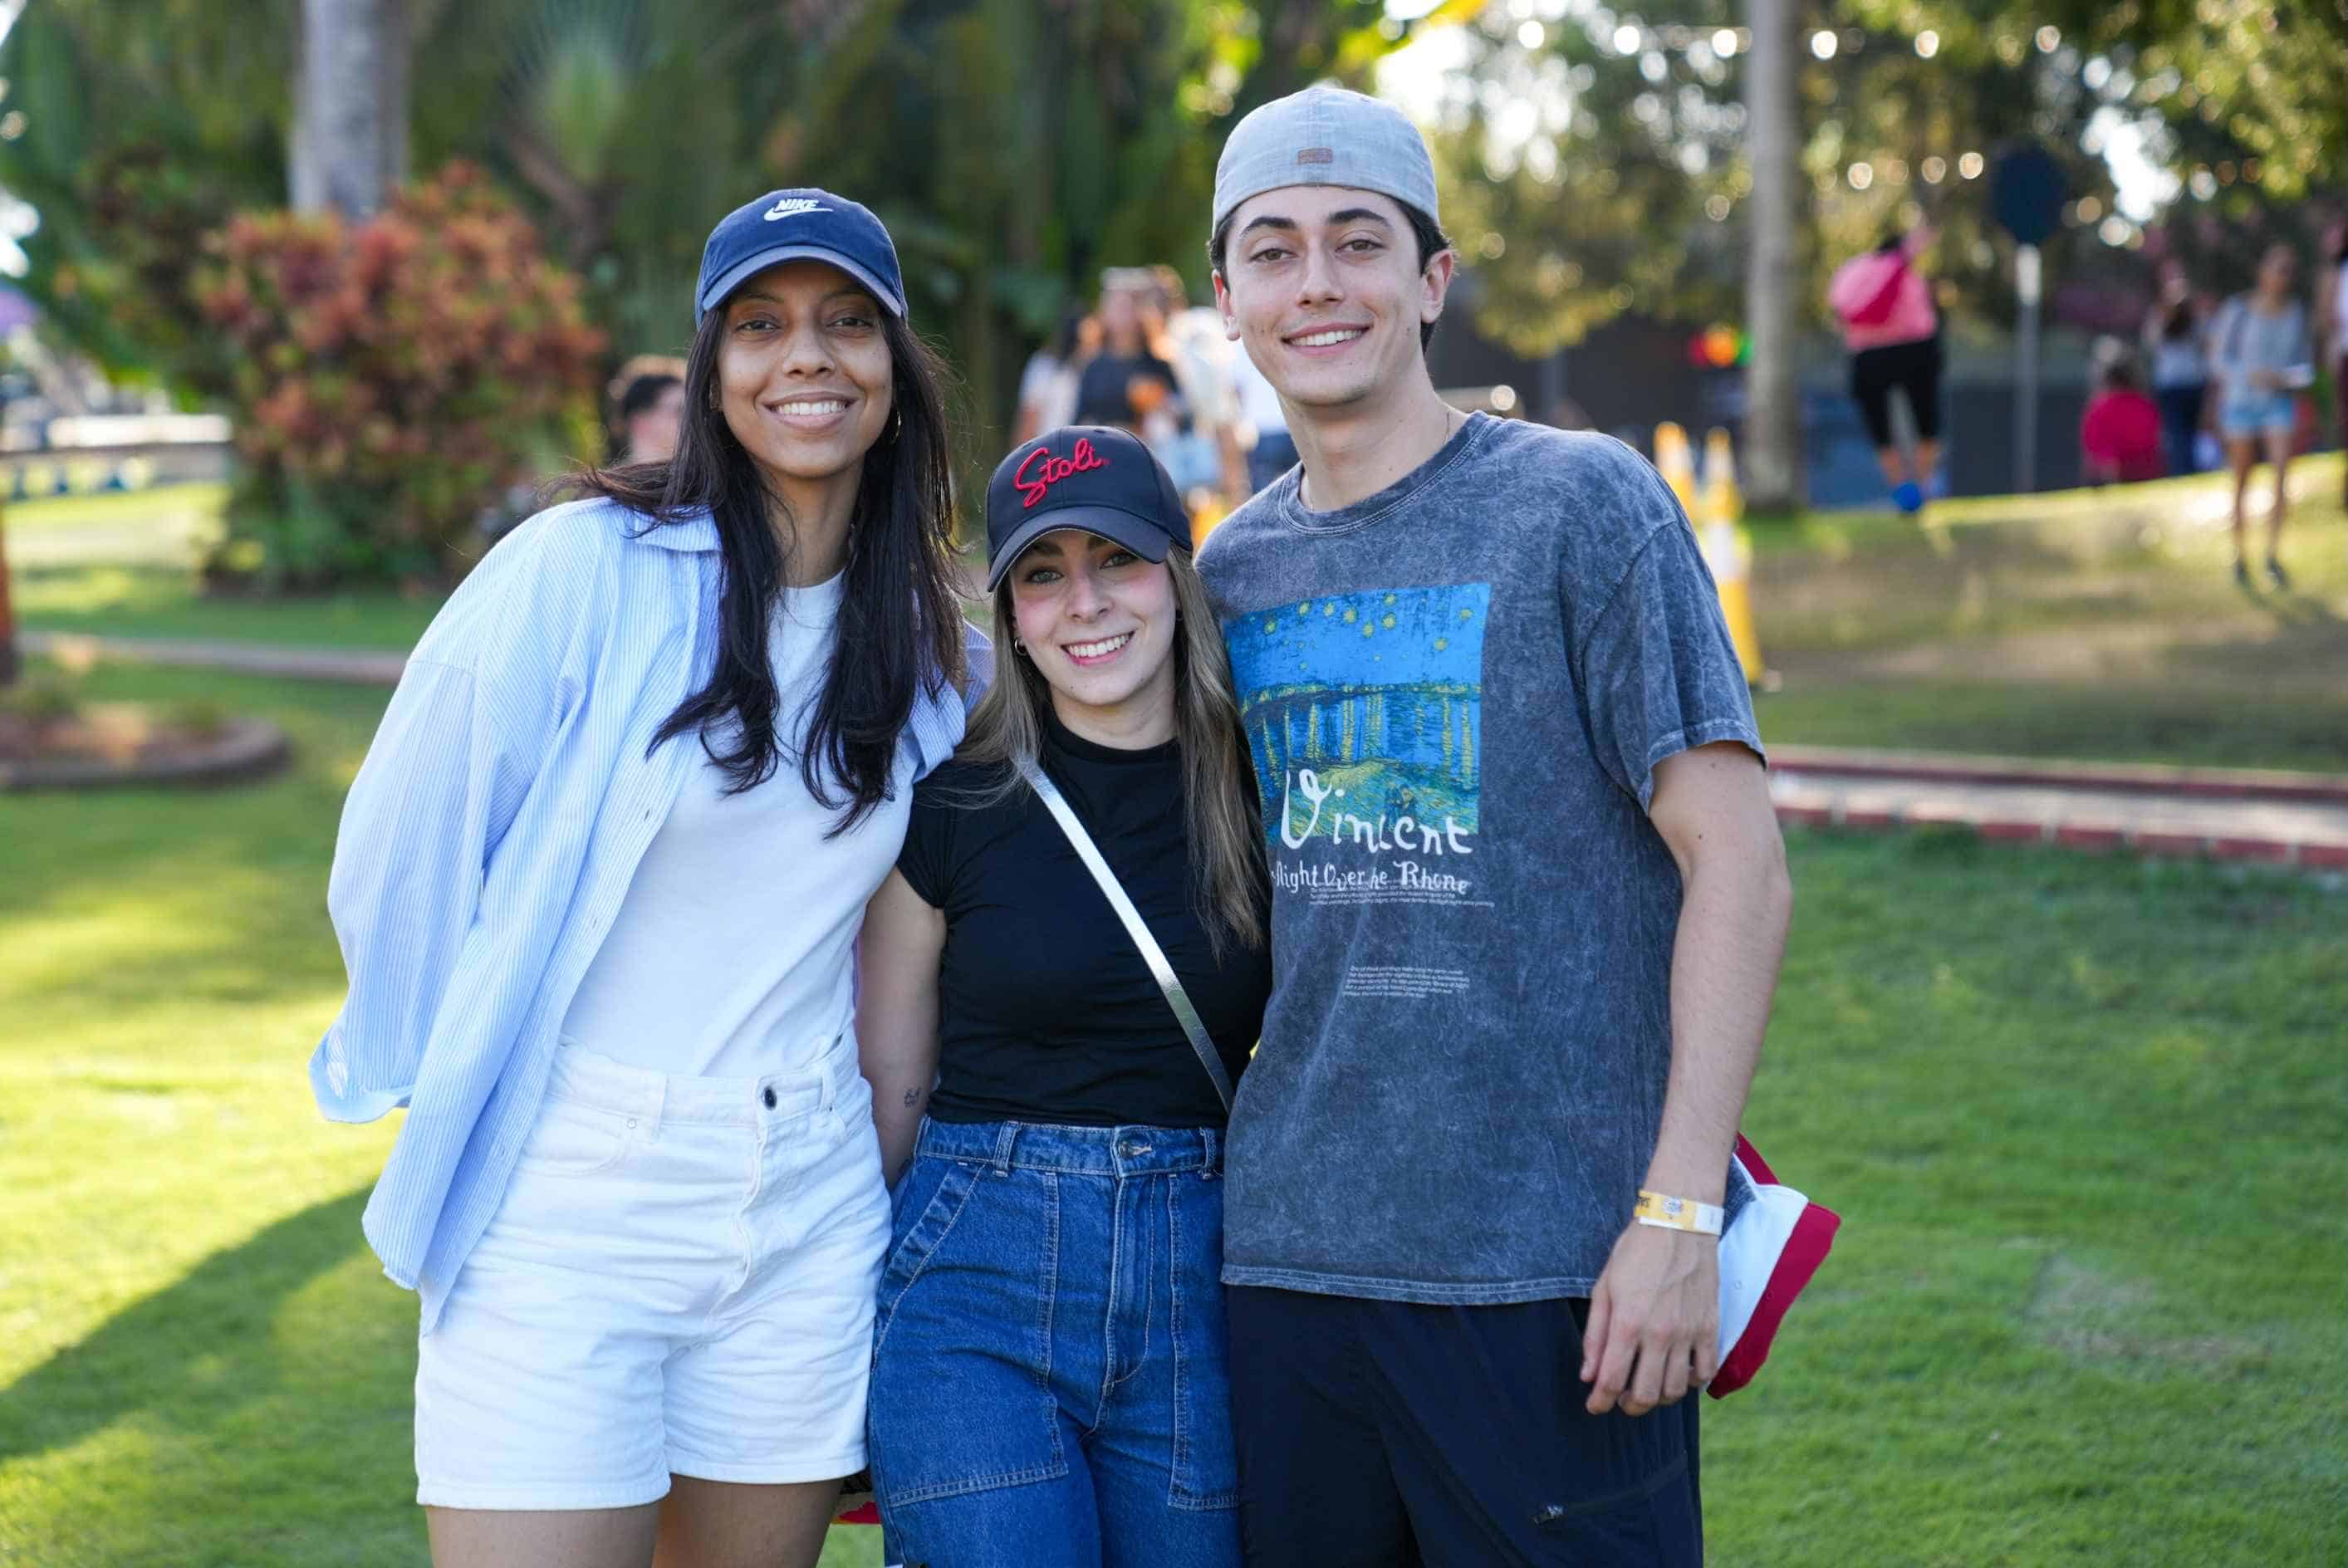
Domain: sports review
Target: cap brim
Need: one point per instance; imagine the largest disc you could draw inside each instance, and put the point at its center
(749, 267)
(1146, 537)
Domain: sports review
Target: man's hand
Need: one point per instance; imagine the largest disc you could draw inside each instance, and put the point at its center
(1654, 1320)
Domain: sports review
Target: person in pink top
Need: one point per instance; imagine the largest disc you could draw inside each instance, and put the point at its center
(1893, 333)
(2120, 434)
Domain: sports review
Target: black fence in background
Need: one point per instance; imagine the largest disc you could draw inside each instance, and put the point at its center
(1634, 373)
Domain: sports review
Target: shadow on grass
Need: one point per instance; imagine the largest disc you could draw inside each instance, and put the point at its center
(189, 1357)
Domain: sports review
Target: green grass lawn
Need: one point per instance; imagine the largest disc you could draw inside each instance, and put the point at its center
(2090, 623)
(122, 565)
(2083, 1118)
(2063, 720)
(177, 506)
(2098, 624)
(127, 600)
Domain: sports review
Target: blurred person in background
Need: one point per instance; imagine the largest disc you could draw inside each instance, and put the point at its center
(1262, 425)
(2174, 338)
(1128, 383)
(597, 886)
(2263, 358)
(1203, 454)
(647, 401)
(1047, 387)
(2120, 433)
(2331, 314)
(1893, 333)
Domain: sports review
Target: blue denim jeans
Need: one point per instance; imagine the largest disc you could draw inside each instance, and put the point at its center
(1049, 1382)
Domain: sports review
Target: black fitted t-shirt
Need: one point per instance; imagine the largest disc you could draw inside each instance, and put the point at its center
(1047, 1013)
(1104, 390)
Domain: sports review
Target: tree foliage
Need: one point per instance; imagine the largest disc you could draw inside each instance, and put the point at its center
(2222, 80)
(1575, 175)
(389, 377)
(1603, 166)
(1014, 149)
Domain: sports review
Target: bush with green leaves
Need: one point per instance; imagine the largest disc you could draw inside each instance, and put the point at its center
(390, 379)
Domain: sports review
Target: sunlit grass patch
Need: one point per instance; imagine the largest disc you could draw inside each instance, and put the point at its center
(176, 507)
(2081, 1116)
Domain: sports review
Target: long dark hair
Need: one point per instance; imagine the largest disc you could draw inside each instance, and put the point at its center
(900, 628)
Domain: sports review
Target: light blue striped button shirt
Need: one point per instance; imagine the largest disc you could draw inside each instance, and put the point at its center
(489, 839)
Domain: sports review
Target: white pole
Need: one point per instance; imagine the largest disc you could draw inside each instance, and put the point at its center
(2026, 281)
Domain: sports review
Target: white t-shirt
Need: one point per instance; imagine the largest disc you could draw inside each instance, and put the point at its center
(733, 954)
(1259, 404)
(1049, 387)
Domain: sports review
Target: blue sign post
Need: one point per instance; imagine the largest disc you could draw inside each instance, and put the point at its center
(2026, 193)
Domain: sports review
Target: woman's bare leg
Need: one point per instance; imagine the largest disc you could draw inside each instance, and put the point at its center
(2279, 454)
(726, 1524)
(2241, 456)
(580, 1538)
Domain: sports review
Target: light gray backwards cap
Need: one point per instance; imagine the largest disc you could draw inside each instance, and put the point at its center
(1325, 136)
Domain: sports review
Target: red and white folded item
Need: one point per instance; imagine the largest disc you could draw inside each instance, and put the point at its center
(856, 1504)
(1767, 1255)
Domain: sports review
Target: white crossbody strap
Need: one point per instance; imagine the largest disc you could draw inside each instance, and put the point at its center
(1175, 997)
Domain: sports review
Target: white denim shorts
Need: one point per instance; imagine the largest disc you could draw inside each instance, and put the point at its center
(679, 1281)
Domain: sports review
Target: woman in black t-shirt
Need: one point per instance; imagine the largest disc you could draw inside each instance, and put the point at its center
(1049, 1383)
(1127, 382)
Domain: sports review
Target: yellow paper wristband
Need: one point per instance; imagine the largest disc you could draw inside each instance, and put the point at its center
(1679, 1213)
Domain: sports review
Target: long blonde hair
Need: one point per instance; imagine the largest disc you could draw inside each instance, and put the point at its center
(1223, 827)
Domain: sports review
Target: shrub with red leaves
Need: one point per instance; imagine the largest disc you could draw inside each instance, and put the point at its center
(391, 379)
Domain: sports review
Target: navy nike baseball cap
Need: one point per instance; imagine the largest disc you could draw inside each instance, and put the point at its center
(802, 224)
(1092, 477)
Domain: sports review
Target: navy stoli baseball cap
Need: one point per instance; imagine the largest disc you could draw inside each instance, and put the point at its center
(1091, 477)
(804, 225)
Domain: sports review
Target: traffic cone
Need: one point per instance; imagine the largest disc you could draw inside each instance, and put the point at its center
(1207, 509)
(1677, 464)
(1728, 552)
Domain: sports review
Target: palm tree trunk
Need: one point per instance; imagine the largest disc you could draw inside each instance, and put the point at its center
(350, 119)
(1773, 429)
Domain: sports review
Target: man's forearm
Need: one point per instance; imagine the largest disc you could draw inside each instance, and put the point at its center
(1734, 911)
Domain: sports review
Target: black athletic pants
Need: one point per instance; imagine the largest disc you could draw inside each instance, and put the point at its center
(1376, 1434)
(1913, 367)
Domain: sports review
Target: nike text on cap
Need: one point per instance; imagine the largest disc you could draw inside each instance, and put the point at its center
(805, 224)
(1092, 477)
(1325, 136)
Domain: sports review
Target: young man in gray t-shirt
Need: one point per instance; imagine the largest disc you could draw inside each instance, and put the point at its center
(1528, 905)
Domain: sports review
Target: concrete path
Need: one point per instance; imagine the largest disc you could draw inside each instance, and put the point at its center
(2277, 819)
(245, 658)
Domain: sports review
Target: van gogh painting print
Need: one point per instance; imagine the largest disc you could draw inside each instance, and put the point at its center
(1364, 716)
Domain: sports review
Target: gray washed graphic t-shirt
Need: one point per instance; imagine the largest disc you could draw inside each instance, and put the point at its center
(1457, 692)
